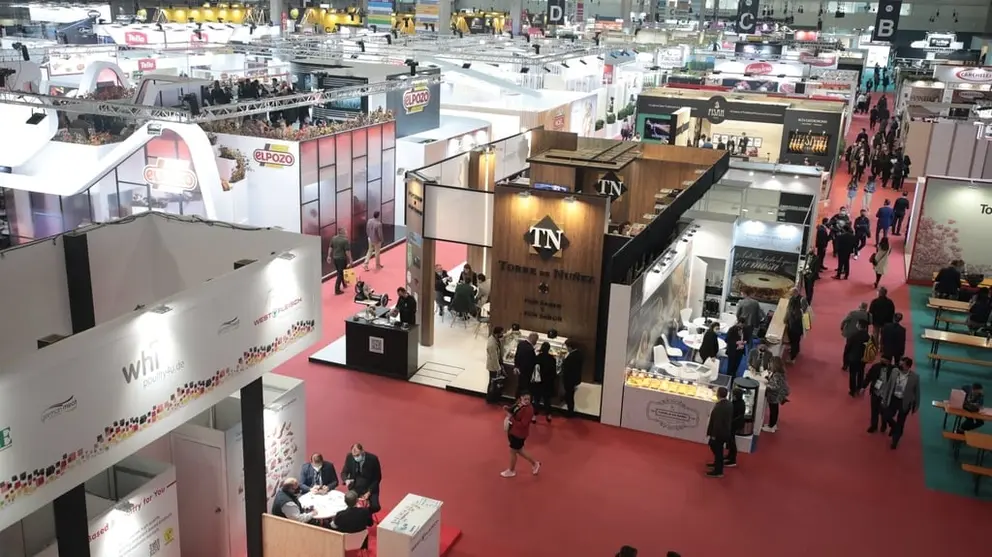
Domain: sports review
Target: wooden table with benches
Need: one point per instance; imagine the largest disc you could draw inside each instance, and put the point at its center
(936, 336)
(986, 282)
(980, 441)
(940, 305)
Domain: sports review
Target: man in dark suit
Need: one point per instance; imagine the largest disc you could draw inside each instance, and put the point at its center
(523, 363)
(363, 474)
(822, 241)
(318, 474)
(571, 374)
(720, 431)
(353, 519)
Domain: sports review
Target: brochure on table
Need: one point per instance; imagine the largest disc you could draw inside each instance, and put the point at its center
(145, 522)
(161, 365)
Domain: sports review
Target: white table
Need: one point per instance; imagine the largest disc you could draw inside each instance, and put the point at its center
(411, 529)
(325, 506)
(694, 341)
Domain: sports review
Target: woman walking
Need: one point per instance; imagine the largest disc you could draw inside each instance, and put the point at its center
(880, 259)
(776, 393)
(517, 426)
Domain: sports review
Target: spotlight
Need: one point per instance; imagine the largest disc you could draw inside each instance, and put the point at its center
(583, 62)
(461, 35)
(527, 38)
(564, 65)
(466, 65)
(361, 46)
(374, 28)
(389, 39)
(524, 69)
(537, 49)
(395, 33)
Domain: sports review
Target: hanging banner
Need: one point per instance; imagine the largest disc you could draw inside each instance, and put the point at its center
(887, 21)
(747, 16)
(556, 12)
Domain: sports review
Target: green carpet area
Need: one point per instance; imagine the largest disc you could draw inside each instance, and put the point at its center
(942, 472)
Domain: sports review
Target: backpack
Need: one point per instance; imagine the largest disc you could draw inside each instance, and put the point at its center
(870, 353)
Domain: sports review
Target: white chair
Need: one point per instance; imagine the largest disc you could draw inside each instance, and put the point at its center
(660, 357)
(727, 320)
(685, 314)
(354, 542)
(669, 351)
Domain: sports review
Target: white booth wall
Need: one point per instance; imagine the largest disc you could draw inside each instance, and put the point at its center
(511, 114)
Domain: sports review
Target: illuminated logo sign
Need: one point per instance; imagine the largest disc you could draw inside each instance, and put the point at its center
(716, 111)
(759, 68)
(135, 38)
(147, 64)
(416, 100)
(559, 121)
(940, 43)
(67, 405)
(975, 75)
(818, 61)
(170, 175)
(274, 156)
(611, 184)
(672, 414)
(546, 239)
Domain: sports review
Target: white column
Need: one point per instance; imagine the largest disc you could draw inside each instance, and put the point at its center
(516, 9)
(625, 8)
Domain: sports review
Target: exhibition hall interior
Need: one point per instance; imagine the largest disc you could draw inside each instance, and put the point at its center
(514, 279)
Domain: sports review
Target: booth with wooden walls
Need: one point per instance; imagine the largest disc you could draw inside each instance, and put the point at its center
(546, 268)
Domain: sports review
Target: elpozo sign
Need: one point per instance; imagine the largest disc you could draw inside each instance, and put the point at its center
(416, 99)
(274, 156)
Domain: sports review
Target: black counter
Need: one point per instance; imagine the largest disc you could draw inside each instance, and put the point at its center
(382, 349)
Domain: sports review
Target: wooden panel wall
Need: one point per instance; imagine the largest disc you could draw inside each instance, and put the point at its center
(552, 174)
(482, 170)
(643, 178)
(570, 304)
(288, 538)
(542, 140)
(672, 153)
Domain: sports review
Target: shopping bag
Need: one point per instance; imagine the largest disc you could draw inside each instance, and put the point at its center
(349, 275)
(807, 320)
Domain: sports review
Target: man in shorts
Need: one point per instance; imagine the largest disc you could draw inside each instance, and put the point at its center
(518, 419)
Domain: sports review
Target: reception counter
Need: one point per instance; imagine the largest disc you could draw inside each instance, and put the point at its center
(776, 329)
(380, 345)
(656, 402)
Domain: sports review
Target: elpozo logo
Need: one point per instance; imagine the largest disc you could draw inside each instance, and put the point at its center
(274, 156)
(170, 174)
(416, 99)
(546, 240)
(55, 410)
(229, 325)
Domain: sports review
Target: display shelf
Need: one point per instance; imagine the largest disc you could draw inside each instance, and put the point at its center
(512, 338)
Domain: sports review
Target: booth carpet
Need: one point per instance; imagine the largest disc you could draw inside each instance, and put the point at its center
(603, 487)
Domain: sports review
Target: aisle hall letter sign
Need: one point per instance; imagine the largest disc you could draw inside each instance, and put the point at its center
(556, 12)
(747, 16)
(887, 20)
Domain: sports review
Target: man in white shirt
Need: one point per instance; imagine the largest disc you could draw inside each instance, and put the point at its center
(373, 229)
(287, 503)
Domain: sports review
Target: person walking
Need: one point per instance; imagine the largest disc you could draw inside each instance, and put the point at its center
(873, 118)
(880, 259)
(882, 310)
(750, 311)
(898, 174)
(899, 209)
(862, 231)
(869, 192)
(855, 354)
(494, 365)
(373, 230)
(901, 397)
(892, 341)
(517, 426)
(811, 274)
(794, 329)
(776, 393)
(339, 254)
(878, 375)
(720, 431)
(844, 245)
(883, 221)
(885, 82)
(852, 188)
(543, 380)
(736, 347)
(571, 374)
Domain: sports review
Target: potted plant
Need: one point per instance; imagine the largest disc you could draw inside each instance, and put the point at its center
(611, 118)
(600, 124)
(233, 166)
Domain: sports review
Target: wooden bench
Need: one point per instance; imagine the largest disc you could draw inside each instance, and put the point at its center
(957, 439)
(978, 471)
(941, 358)
(948, 321)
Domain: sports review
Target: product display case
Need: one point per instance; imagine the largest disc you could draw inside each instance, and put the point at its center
(749, 389)
(512, 338)
(674, 400)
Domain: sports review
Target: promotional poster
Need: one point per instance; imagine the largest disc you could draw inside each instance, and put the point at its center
(810, 137)
(658, 314)
(416, 108)
(953, 224)
(765, 274)
(716, 109)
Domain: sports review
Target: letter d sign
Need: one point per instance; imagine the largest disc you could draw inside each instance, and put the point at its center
(556, 12)
(887, 20)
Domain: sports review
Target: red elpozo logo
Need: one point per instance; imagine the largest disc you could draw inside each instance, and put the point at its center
(759, 68)
(818, 61)
(170, 174)
(416, 99)
(274, 156)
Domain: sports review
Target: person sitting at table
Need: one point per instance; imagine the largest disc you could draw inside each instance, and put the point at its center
(760, 359)
(463, 300)
(709, 347)
(482, 296)
(318, 475)
(974, 400)
(979, 310)
(441, 280)
(353, 519)
(287, 503)
(948, 281)
(363, 474)
(468, 275)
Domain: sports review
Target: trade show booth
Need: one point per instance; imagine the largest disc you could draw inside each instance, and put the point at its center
(773, 129)
(568, 111)
(193, 312)
(944, 147)
(599, 196)
(949, 220)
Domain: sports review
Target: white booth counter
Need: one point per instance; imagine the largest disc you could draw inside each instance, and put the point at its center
(674, 400)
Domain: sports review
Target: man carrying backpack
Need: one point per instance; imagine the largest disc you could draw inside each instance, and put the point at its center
(858, 351)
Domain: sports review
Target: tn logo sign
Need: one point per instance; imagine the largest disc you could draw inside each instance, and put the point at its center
(611, 184)
(546, 239)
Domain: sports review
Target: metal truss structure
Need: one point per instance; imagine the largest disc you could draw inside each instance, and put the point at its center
(118, 109)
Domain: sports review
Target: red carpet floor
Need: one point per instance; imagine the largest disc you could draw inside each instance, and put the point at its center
(820, 487)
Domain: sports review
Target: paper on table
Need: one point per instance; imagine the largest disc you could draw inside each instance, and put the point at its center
(986, 411)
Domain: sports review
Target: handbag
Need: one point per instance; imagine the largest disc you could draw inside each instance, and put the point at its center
(873, 260)
(535, 377)
(349, 275)
(807, 320)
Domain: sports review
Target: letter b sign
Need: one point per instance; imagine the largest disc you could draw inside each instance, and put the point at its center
(887, 20)
(556, 12)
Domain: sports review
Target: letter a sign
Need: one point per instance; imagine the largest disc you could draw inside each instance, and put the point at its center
(887, 21)
(747, 16)
(556, 12)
